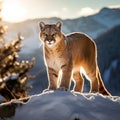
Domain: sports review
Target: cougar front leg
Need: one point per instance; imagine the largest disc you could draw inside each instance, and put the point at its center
(53, 79)
(66, 76)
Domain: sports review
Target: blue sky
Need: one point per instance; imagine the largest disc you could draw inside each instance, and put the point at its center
(25, 9)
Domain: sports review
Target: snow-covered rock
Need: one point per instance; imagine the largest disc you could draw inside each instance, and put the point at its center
(65, 105)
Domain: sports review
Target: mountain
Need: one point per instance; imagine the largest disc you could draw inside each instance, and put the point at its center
(93, 25)
(63, 105)
(109, 57)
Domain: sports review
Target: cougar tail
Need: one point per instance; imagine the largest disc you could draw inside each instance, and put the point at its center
(102, 88)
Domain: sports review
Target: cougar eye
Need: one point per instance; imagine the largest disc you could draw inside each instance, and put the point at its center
(44, 34)
(54, 35)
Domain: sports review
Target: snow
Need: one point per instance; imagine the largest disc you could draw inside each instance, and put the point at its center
(11, 77)
(66, 105)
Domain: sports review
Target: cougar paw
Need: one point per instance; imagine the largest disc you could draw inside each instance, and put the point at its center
(63, 89)
(46, 90)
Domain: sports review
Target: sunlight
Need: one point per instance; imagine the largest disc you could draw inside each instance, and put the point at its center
(13, 11)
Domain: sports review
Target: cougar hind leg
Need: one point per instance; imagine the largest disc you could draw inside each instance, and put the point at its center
(96, 83)
(92, 76)
(79, 82)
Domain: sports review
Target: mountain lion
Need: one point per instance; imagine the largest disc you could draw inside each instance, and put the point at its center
(71, 54)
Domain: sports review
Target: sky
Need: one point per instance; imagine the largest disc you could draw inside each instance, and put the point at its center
(18, 10)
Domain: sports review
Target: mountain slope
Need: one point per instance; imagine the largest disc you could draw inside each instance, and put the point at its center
(109, 57)
(108, 17)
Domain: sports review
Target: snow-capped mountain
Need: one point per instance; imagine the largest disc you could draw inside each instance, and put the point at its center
(93, 25)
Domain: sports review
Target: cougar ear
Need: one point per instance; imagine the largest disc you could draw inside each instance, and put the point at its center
(58, 25)
(42, 25)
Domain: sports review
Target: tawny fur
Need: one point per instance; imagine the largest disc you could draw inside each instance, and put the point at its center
(70, 53)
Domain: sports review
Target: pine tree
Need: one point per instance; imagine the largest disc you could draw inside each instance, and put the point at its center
(13, 74)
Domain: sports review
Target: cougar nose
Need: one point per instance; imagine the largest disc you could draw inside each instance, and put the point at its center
(49, 40)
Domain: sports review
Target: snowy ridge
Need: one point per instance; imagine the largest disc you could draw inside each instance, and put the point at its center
(65, 105)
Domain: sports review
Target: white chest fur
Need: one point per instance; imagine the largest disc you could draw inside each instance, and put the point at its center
(55, 62)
